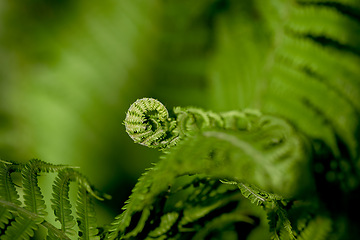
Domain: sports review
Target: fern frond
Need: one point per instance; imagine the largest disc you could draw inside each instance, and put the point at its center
(308, 90)
(54, 233)
(265, 143)
(222, 153)
(350, 3)
(147, 122)
(317, 229)
(285, 222)
(279, 224)
(61, 203)
(263, 139)
(137, 201)
(273, 225)
(48, 167)
(329, 23)
(145, 213)
(200, 194)
(21, 228)
(309, 80)
(166, 222)
(194, 213)
(221, 222)
(86, 215)
(34, 208)
(33, 197)
(5, 217)
(7, 187)
(253, 194)
(306, 53)
(35, 218)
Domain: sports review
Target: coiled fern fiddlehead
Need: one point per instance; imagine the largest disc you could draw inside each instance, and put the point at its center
(148, 122)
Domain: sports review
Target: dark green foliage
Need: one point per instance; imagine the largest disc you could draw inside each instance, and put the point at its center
(318, 228)
(60, 202)
(21, 228)
(244, 147)
(86, 215)
(7, 187)
(262, 155)
(20, 222)
(33, 198)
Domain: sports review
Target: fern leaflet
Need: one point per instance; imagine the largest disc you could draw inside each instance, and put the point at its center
(317, 229)
(33, 197)
(7, 187)
(60, 202)
(21, 228)
(86, 215)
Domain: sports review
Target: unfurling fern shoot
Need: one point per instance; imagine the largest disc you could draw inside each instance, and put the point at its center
(147, 122)
(264, 155)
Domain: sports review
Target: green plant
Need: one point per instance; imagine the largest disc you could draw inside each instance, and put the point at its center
(212, 164)
(20, 222)
(289, 170)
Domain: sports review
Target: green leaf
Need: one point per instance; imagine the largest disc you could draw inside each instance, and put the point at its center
(5, 217)
(54, 233)
(61, 203)
(21, 229)
(7, 187)
(86, 215)
(166, 222)
(259, 157)
(145, 213)
(253, 194)
(194, 213)
(318, 228)
(135, 203)
(221, 222)
(329, 23)
(33, 197)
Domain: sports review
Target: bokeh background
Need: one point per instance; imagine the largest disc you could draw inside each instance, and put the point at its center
(69, 70)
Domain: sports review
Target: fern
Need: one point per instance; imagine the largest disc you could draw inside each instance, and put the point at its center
(7, 187)
(19, 222)
(292, 158)
(60, 202)
(5, 217)
(260, 141)
(253, 141)
(166, 222)
(86, 215)
(21, 228)
(319, 228)
(33, 198)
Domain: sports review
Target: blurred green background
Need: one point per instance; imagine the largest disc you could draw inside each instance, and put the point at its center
(69, 70)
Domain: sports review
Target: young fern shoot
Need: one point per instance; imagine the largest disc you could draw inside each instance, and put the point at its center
(263, 155)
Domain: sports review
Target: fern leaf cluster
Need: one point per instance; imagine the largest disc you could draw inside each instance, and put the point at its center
(317, 64)
(19, 220)
(243, 147)
(264, 143)
(264, 156)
